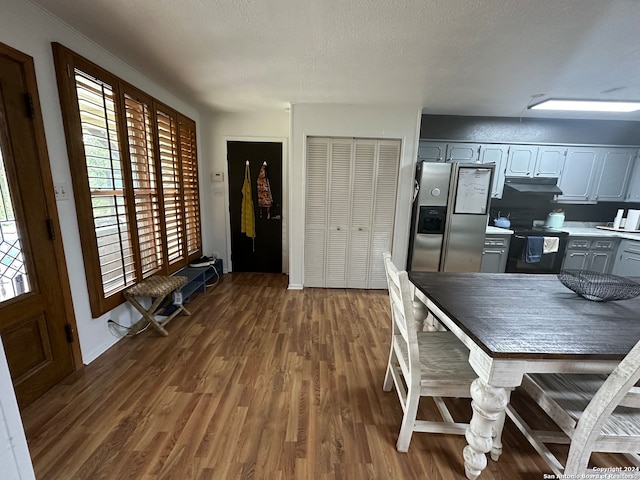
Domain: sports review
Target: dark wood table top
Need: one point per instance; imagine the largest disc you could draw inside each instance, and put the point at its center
(532, 316)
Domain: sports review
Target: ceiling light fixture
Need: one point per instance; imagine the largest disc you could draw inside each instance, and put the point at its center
(586, 106)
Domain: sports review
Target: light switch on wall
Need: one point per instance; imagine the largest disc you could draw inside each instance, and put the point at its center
(217, 177)
(61, 190)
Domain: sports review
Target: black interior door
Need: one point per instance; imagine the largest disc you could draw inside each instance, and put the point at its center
(264, 253)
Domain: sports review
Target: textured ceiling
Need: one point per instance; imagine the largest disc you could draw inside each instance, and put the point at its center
(460, 57)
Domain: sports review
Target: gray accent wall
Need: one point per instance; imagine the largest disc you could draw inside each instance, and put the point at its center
(529, 130)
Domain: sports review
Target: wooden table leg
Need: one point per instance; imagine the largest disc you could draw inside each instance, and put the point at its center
(488, 404)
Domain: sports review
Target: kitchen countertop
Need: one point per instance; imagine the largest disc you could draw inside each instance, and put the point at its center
(579, 229)
(491, 230)
(575, 229)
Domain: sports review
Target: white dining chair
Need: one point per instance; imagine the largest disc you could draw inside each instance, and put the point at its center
(422, 364)
(596, 413)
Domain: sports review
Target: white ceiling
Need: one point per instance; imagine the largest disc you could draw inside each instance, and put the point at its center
(460, 57)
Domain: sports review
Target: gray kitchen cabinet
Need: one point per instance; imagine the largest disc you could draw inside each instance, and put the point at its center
(590, 253)
(615, 171)
(522, 160)
(578, 175)
(432, 151)
(494, 254)
(495, 154)
(463, 152)
(633, 190)
(627, 263)
(550, 161)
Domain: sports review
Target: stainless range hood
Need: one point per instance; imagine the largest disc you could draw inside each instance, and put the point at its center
(537, 185)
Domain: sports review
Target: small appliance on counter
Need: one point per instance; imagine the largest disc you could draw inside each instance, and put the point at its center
(555, 219)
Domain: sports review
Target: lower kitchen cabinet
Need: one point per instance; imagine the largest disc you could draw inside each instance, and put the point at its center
(590, 253)
(494, 254)
(627, 263)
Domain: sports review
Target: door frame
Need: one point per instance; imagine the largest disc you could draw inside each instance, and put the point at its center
(49, 195)
(285, 195)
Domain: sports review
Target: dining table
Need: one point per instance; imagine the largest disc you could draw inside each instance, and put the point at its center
(516, 324)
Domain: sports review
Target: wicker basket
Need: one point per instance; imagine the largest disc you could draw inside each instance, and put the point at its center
(599, 287)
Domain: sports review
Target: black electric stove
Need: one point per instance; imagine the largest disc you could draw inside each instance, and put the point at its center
(523, 228)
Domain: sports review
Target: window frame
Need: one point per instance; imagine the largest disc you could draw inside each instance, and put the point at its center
(66, 64)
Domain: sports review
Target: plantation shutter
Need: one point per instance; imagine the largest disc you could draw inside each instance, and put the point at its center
(97, 108)
(171, 191)
(145, 184)
(189, 165)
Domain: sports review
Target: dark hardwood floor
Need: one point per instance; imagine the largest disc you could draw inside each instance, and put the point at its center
(260, 383)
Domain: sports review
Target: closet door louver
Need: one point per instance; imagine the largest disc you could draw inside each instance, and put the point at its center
(384, 207)
(339, 211)
(361, 208)
(317, 166)
(349, 208)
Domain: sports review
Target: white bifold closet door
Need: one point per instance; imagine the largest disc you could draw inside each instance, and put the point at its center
(349, 211)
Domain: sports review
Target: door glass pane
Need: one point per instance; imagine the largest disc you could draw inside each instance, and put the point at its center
(13, 276)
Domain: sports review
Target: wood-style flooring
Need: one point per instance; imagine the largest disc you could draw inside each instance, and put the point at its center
(260, 382)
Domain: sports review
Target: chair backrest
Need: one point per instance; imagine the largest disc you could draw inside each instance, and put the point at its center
(610, 395)
(401, 299)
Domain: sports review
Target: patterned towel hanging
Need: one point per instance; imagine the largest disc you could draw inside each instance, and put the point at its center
(265, 199)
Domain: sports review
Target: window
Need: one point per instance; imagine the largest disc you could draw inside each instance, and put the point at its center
(134, 169)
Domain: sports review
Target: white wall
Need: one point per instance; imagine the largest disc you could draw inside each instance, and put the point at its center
(216, 130)
(350, 121)
(31, 30)
(15, 462)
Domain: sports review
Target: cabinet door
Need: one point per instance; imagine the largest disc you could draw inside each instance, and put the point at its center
(601, 262)
(627, 263)
(521, 161)
(575, 260)
(550, 161)
(633, 191)
(361, 209)
(616, 170)
(339, 212)
(463, 152)
(577, 179)
(384, 209)
(495, 154)
(432, 151)
(317, 166)
(491, 261)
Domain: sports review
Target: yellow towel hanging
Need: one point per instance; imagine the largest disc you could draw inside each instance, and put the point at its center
(248, 220)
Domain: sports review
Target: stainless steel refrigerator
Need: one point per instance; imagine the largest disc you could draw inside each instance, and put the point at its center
(450, 212)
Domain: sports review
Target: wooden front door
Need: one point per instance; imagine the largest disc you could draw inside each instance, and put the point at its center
(33, 314)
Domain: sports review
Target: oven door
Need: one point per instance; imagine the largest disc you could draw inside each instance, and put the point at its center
(549, 262)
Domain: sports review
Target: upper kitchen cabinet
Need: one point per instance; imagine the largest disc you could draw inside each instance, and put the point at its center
(463, 152)
(535, 161)
(495, 154)
(431, 151)
(522, 160)
(578, 176)
(550, 161)
(617, 164)
(633, 191)
(596, 174)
